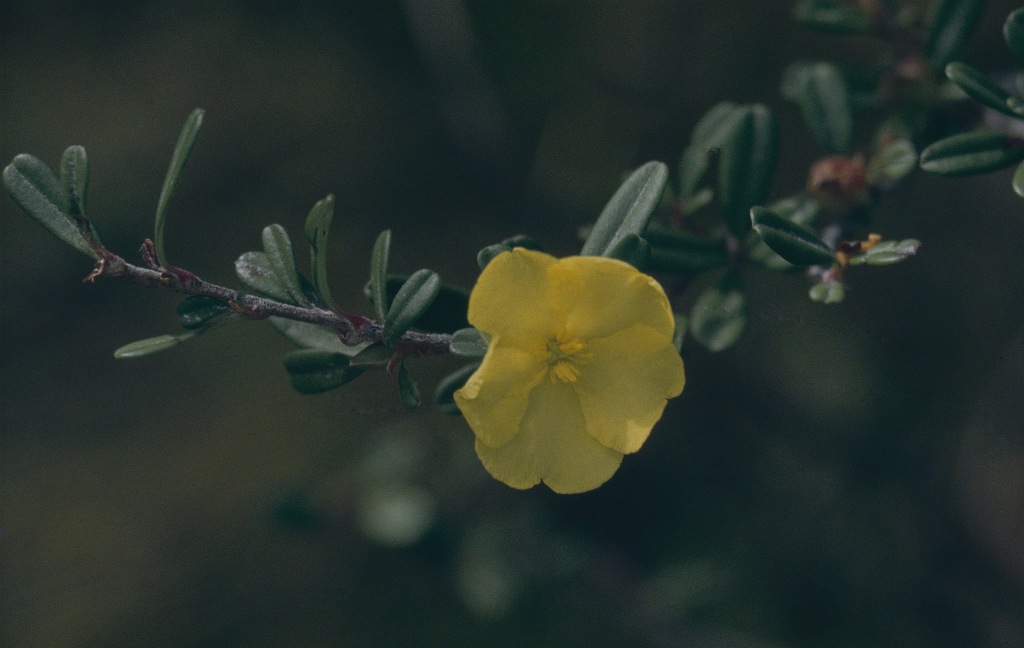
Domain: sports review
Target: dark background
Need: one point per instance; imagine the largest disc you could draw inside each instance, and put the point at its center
(849, 475)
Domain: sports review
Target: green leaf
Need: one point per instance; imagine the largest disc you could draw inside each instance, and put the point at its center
(951, 25)
(410, 303)
(74, 178)
(254, 270)
(827, 292)
(281, 257)
(182, 150)
(469, 342)
(312, 336)
(197, 310)
(446, 388)
(819, 90)
(794, 243)
(446, 315)
(682, 253)
(152, 345)
(983, 89)
(1013, 32)
(39, 193)
(374, 356)
(693, 165)
(970, 153)
(719, 316)
(379, 274)
(746, 167)
(318, 226)
(892, 163)
(632, 249)
(629, 210)
(407, 388)
(523, 241)
(832, 17)
(887, 252)
(486, 255)
(1018, 180)
(716, 126)
(312, 371)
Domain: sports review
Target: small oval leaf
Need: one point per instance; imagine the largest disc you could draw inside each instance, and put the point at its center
(632, 249)
(253, 270)
(719, 316)
(312, 371)
(832, 17)
(469, 343)
(379, 274)
(318, 227)
(486, 255)
(827, 292)
(196, 310)
(682, 253)
(794, 243)
(747, 166)
(182, 151)
(983, 89)
(40, 195)
(412, 300)
(407, 388)
(819, 90)
(950, 27)
(629, 210)
(970, 153)
(312, 336)
(1013, 32)
(151, 345)
(281, 257)
(375, 356)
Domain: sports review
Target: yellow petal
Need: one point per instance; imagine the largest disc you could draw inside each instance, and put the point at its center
(495, 397)
(513, 296)
(553, 445)
(624, 386)
(602, 296)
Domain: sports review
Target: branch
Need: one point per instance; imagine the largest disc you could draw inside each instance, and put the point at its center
(352, 329)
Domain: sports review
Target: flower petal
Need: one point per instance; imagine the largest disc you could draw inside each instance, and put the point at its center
(513, 296)
(495, 397)
(553, 446)
(602, 296)
(624, 386)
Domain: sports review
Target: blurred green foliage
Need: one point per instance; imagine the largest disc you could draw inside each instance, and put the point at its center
(844, 477)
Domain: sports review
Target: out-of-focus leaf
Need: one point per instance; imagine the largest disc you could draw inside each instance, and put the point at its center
(746, 167)
(446, 315)
(410, 303)
(719, 316)
(1013, 32)
(833, 17)
(970, 153)
(794, 243)
(449, 385)
(407, 388)
(1018, 180)
(312, 336)
(827, 292)
(149, 346)
(892, 163)
(196, 310)
(312, 371)
(253, 270)
(983, 89)
(375, 356)
(182, 150)
(632, 249)
(629, 210)
(950, 27)
(281, 257)
(318, 226)
(887, 252)
(40, 195)
(716, 126)
(469, 342)
(523, 241)
(379, 274)
(682, 253)
(819, 90)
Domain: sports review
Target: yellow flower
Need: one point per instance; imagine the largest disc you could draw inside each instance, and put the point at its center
(578, 371)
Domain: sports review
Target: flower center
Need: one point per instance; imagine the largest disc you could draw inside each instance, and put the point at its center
(564, 355)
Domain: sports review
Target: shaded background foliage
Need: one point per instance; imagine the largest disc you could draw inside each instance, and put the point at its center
(849, 475)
